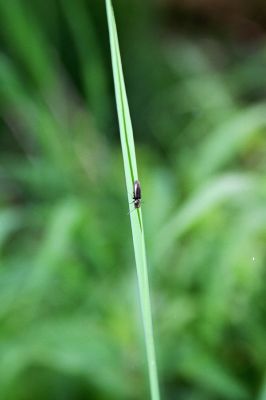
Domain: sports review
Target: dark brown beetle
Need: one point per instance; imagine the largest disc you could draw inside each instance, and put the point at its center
(137, 194)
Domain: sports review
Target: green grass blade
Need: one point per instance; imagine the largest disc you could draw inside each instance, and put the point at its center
(131, 174)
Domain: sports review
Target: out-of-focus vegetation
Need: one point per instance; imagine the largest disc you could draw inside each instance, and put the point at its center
(69, 314)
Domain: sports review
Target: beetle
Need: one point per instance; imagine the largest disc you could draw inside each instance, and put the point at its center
(137, 194)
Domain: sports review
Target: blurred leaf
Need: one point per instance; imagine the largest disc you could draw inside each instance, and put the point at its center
(228, 139)
(10, 221)
(227, 187)
(27, 42)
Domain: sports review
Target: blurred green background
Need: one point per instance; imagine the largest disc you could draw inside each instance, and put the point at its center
(70, 325)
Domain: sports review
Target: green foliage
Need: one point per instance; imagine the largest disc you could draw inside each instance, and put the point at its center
(69, 318)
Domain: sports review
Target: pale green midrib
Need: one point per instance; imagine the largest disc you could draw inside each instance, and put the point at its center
(124, 117)
(123, 111)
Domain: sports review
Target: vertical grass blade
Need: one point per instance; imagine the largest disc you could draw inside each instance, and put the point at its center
(131, 174)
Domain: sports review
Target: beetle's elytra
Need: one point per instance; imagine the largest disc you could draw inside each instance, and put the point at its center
(137, 194)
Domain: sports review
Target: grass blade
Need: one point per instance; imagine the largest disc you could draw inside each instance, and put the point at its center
(131, 174)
